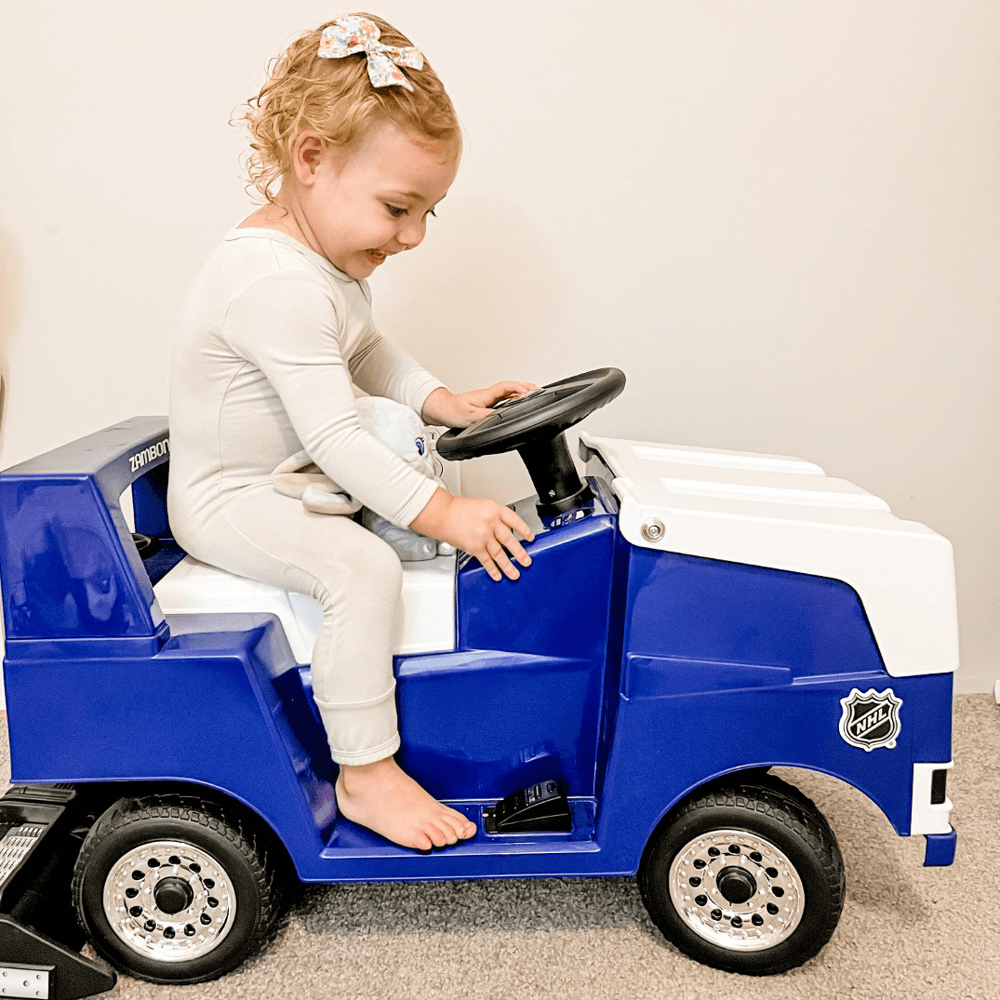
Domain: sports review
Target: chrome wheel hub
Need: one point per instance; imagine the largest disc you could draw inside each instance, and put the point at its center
(169, 901)
(737, 890)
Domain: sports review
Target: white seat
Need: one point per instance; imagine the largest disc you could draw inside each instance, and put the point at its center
(427, 624)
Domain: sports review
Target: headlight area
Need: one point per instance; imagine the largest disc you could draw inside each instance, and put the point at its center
(931, 815)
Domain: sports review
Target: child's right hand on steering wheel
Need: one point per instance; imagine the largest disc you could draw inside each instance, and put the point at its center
(483, 528)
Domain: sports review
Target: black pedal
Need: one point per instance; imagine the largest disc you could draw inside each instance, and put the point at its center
(537, 807)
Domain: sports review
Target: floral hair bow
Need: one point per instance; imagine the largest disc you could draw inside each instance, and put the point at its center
(348, 35)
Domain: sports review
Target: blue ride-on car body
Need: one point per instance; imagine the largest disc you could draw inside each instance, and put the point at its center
(691, 619)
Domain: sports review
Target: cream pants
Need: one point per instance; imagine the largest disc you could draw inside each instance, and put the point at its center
(358, 579)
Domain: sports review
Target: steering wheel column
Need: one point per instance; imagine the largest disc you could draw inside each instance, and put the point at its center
(554, 476)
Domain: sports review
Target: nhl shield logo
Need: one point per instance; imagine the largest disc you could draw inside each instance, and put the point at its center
(870, 718)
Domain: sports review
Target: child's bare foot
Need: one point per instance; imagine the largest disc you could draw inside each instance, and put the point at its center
(384, 799)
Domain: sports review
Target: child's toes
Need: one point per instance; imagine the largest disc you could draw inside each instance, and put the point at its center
(459, 825)
(420, 841)
(440, 834)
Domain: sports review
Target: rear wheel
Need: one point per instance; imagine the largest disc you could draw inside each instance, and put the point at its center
(173, 890)
(745, 877)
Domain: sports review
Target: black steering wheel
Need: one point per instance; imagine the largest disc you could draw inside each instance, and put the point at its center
(533, 426)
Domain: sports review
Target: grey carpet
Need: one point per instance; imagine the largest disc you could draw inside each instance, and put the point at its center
(906, 931)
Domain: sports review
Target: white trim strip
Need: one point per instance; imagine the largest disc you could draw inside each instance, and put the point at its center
(925, 817)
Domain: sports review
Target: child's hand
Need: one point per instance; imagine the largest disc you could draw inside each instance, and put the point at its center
(483, 528)
(459, 409)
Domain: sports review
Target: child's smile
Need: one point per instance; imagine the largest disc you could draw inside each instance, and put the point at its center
(377, 256)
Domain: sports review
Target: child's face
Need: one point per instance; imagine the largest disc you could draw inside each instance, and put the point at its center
(363, 205)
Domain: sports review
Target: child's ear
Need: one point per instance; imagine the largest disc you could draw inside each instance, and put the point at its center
(307, 152)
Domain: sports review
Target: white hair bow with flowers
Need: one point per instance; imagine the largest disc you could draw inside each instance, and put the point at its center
(348, 35)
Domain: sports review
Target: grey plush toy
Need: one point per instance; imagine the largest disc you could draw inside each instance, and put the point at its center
(398, 428)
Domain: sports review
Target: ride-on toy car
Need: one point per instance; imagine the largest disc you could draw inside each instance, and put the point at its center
(691, 619)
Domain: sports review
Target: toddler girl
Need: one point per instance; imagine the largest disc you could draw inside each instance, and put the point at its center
(276, 332)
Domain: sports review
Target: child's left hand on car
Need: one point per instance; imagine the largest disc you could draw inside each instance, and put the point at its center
(459, 409)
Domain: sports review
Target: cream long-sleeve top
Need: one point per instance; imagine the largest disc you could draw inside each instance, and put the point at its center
(271, 340)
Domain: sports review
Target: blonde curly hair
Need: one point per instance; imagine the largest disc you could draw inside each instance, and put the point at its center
(335, 98)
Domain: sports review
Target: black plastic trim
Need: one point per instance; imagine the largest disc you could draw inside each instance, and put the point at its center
(939, 784)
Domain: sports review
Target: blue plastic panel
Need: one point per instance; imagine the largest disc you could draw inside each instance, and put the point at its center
(560, 604)
(940, 849)
(221, 704)
(65, 568)
(666, 746)
(522, 718)
(67, 560)
(705, 610)
(483, 724)
(728, 667)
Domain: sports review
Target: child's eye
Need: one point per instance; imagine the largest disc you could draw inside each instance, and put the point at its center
(395, 211)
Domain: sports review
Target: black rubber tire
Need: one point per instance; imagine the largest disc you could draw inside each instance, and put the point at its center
(774, 811)
(243, 851)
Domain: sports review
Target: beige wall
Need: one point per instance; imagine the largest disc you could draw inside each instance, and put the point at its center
(780, 219)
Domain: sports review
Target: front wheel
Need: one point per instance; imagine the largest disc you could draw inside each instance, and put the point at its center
(171, 889)
(745, 877)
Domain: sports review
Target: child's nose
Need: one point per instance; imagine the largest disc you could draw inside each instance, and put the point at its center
(411, 234)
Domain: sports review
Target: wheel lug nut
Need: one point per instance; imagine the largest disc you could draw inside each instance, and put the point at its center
(771, 872)
(136, 911)
(699, 863)
(737, 921)
(772, 909)
(153, 863)
(150, 925)
(694, 881)
(757, 920)
(138, 875)
(714, 852)
(701, 900)
(206, 919)
(778, 891)
(189, 931)
(734, 848)
(716, 914)
(131, 892)
(756, 856)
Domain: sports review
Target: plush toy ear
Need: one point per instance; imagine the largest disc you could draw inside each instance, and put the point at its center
(322, 501)
(300, 478)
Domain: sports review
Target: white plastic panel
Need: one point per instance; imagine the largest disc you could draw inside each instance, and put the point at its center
(716, 458)
(811, 491)
(427, 623)
(782, 513)
(925, 817)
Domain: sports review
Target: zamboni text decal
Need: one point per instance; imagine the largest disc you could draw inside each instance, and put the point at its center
(870, 718)
(149, 454)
